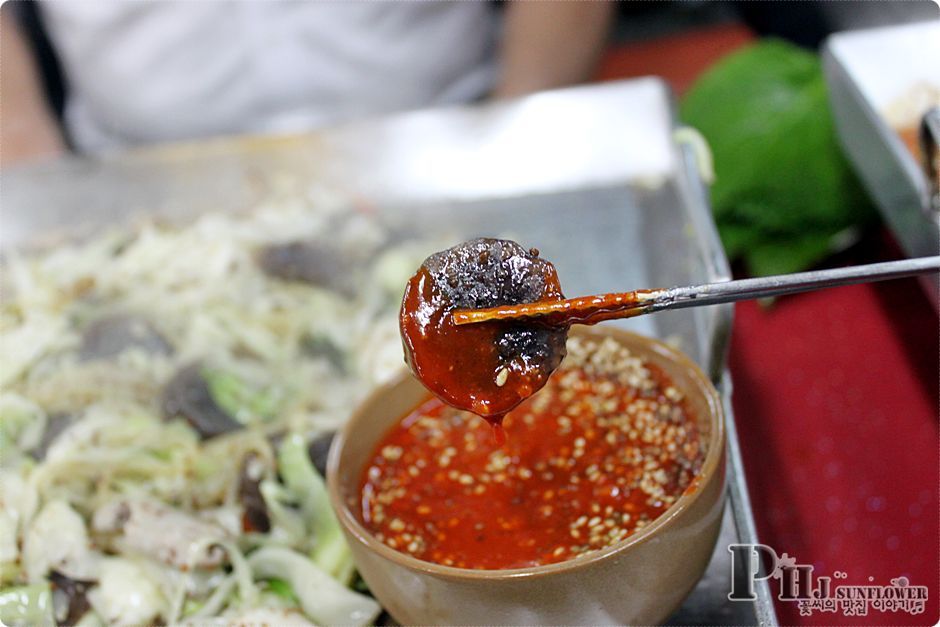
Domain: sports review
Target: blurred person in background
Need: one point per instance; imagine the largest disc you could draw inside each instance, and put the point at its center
(155, 71)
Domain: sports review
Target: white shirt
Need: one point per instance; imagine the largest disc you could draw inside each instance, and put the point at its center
(152, 71)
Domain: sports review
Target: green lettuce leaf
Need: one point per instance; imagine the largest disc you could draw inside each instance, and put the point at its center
(784, 195)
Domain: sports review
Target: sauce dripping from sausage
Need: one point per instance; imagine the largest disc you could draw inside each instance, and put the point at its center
(491, 367)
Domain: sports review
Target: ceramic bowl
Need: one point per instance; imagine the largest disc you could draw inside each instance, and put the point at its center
(640, 580)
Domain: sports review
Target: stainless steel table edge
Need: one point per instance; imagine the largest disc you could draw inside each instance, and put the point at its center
(741, 505)
(713, 253)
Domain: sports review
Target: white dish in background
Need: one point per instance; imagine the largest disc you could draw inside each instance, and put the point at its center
(887, 63)
(882, 80)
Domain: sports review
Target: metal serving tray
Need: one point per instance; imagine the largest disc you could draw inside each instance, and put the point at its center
(867, 71)
(589, 175)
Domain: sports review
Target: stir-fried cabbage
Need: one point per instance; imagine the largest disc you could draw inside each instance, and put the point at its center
(159, 389)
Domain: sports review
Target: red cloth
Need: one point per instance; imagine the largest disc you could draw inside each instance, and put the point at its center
(677, 58)
(836, 401)
(835, 398)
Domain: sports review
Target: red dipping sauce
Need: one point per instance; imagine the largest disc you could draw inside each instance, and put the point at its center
(491, 367)
(605, 448)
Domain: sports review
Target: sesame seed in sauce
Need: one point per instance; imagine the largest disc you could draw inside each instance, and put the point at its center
(606, 447)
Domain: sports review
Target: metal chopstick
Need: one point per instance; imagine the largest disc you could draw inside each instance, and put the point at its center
(764, 287)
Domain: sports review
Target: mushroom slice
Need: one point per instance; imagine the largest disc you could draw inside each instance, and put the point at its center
(187, 394)
(112, 334)
(315, 263)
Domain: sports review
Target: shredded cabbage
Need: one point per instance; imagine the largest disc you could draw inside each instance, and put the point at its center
(29, 606)
(330, 551)
(127, 592)
(322, 598)
(98, 485)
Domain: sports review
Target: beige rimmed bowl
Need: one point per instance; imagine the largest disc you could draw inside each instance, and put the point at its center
(640, 580)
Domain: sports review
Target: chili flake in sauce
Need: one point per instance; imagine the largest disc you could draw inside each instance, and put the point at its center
(606, 447)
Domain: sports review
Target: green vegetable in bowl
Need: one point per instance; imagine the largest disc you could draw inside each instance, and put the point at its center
(784, 196)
